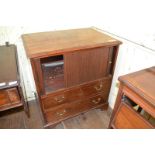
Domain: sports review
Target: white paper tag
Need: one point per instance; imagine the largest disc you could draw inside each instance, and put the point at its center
(111, 40)
(12, 83)
(2, 84)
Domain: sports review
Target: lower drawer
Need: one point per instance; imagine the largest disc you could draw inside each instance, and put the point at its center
(72, 109)
(128, 118)
(102, 85)
(9, 96)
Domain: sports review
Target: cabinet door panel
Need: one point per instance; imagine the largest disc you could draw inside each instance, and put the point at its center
(127, 118)
(86, 65)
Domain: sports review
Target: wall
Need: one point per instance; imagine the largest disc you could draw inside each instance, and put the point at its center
(131, 58)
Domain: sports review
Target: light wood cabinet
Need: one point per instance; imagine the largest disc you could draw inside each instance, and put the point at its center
(135, 103)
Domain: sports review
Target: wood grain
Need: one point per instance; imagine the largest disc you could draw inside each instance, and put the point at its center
(94, 119)
(88, 56)
(142, 82)
(127, 118)
(87, 65)
(139, 88)
(62, 112)
(58, 42)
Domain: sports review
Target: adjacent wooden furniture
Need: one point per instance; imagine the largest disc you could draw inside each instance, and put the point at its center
(11, 95)
(136, 98)
(72, 69)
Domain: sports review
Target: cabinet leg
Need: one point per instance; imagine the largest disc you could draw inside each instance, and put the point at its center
(104, 107)
(51, 126)
(117, 103)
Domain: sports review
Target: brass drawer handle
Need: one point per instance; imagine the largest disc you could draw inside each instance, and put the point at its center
(59, 99)
(98, 100)
(98, 88)
(61, 113)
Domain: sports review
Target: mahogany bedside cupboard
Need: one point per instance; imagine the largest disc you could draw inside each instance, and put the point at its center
(72, 69)
(11, 92)
(136, 98)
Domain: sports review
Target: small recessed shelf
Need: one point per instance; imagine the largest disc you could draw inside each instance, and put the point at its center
(139, 110)
(53, 73)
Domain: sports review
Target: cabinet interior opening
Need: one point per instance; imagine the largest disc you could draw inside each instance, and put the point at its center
(139, 110)
(53, 73)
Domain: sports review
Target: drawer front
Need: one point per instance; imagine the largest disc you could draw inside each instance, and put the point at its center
(97, 100)
(65, 111)
(128, 118)
(62, 97)
(9, 96)
(69, 110)
(97, 87)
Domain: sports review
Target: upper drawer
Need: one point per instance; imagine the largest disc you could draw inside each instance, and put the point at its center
(95, 87)
(61, 97)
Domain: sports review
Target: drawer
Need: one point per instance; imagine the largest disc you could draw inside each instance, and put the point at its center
(64, 111)
(62, 97)
(69, 110)
(97, 100)
(97, 87)
(9, 96)
(128, 118)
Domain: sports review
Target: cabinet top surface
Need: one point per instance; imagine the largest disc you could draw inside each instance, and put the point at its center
(142, 82)
(57, 42)
(8, 66)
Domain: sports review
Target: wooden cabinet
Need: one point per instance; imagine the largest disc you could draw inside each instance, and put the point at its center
(11, 94)
(135, 104)
(73, 70)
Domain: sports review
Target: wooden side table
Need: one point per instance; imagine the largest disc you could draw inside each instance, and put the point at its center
(135, 103)
(11, 92)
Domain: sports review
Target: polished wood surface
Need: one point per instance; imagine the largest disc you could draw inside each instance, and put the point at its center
(57, 42)
(75, 94)
(142, 82)
(95, 87)
(9, 70)
(139, 87)
(127, 118)
(66, 111)
(61, 97)
(86, 65)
